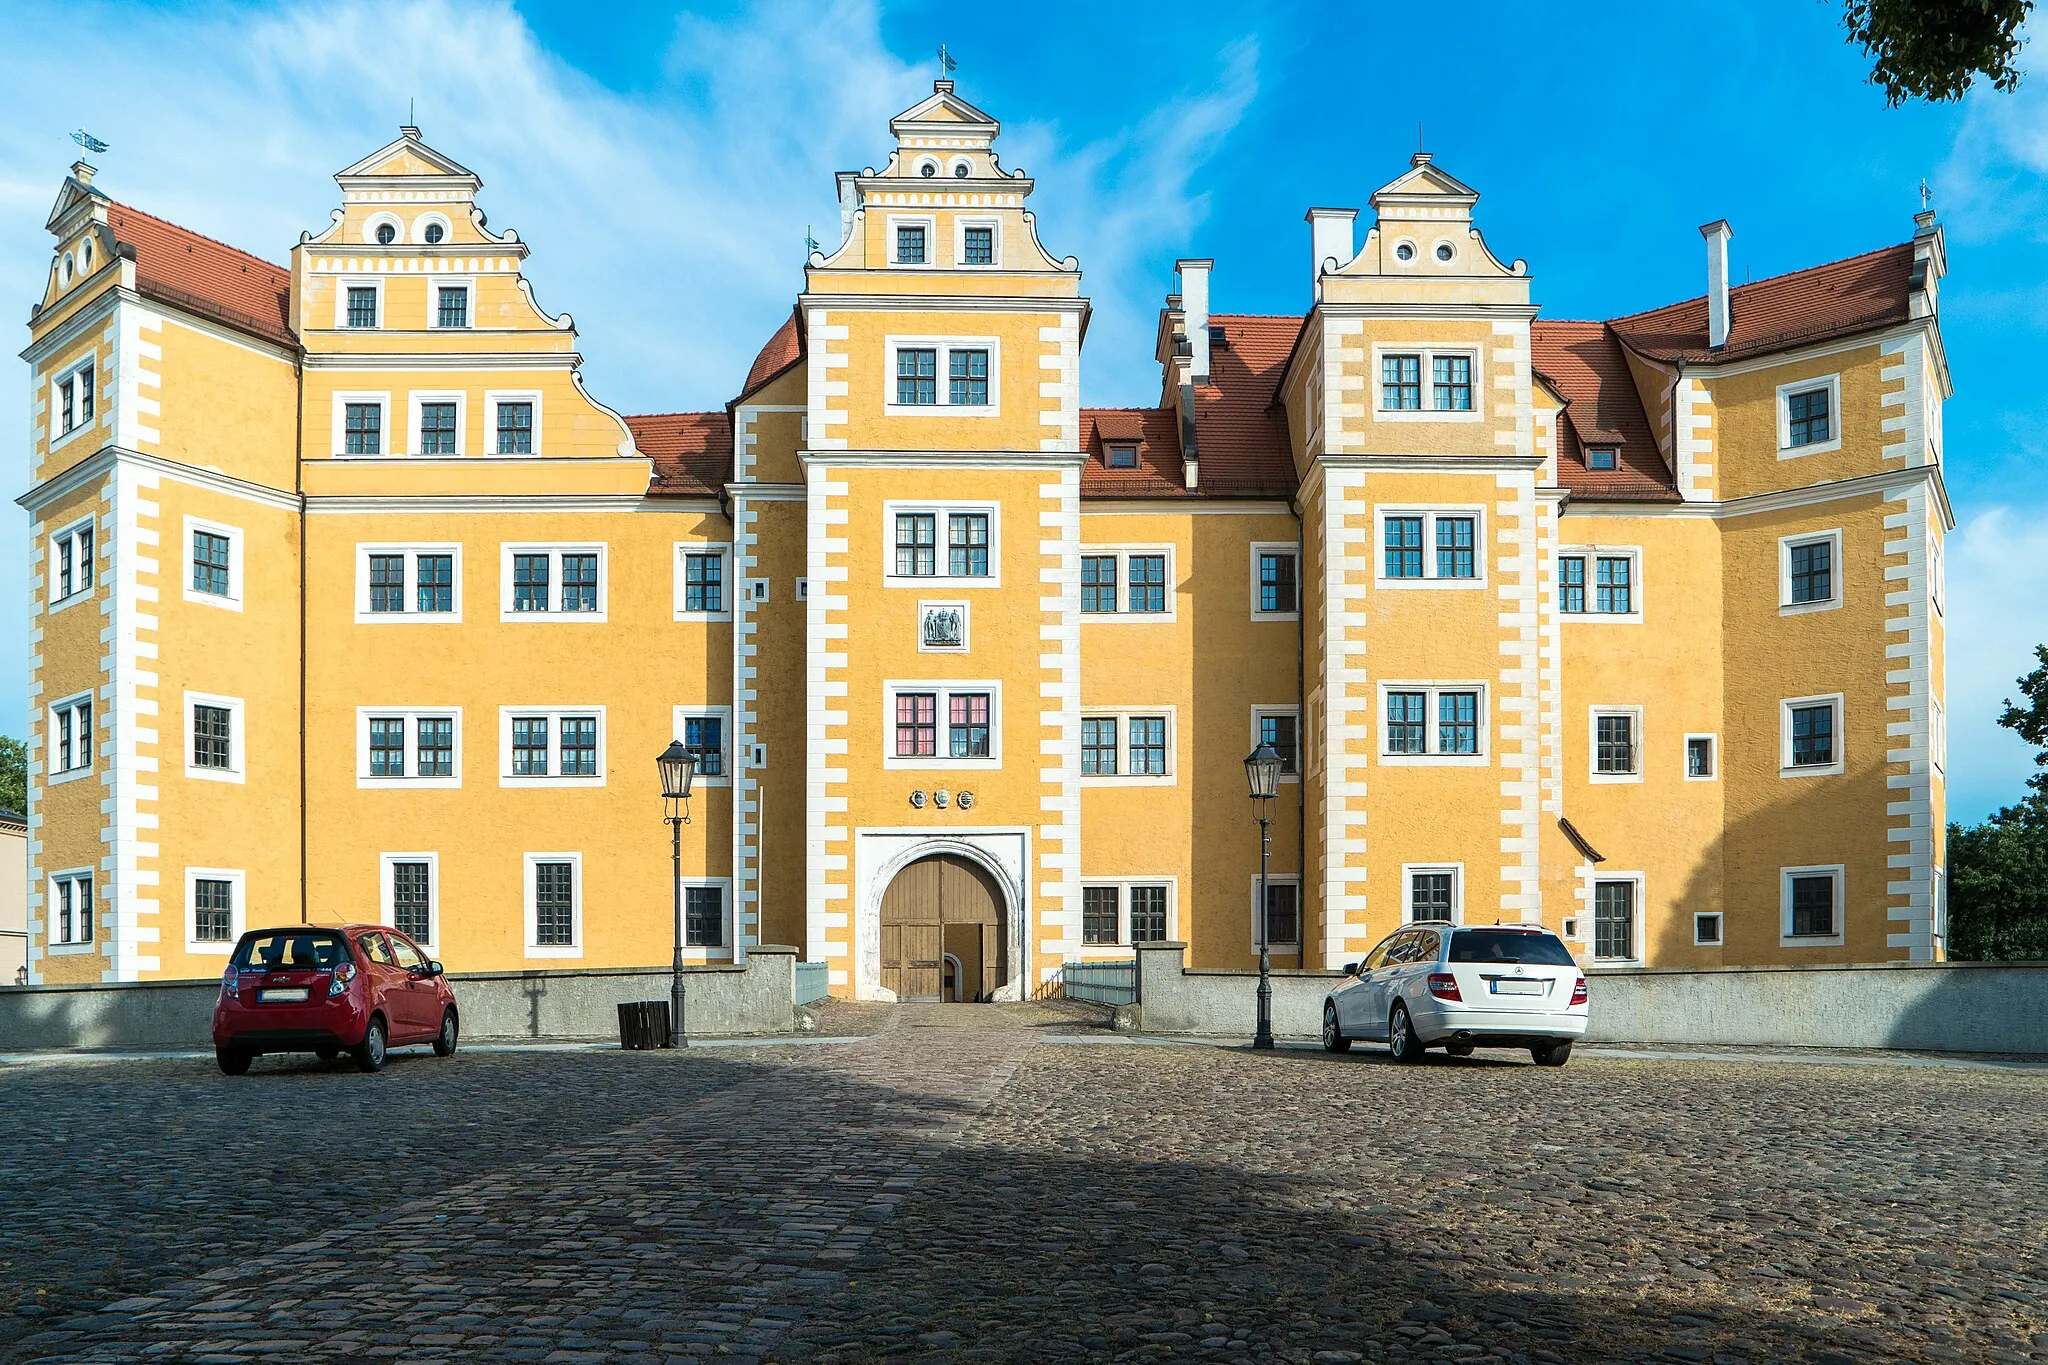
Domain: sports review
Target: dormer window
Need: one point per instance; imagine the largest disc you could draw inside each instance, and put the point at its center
(386, 234)
(910, 243)
(1121, 457)
(1600, 457)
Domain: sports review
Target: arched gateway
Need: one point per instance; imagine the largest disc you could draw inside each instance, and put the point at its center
(942, 931)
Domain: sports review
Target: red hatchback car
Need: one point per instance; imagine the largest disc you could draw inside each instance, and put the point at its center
(365, 988)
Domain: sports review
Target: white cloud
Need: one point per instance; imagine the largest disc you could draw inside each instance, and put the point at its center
(1997, 611)
(1991, 185)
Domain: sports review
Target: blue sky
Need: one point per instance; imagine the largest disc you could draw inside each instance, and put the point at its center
(665, 165)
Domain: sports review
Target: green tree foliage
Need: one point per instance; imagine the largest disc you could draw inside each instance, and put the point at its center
(13, 775)
(1998, 871)
(1936, 49)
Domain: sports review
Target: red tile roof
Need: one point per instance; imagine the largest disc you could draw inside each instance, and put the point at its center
(176, 266)
(1840, 298)
(782, 352)
(1153, 431)
(1583, 361)
(1240, 429)
(691, 451)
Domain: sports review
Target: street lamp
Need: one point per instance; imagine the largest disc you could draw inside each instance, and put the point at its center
(678, 768)
(1262, 775)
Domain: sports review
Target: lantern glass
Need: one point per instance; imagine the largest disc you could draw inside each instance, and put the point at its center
(1262, 772)
(678, 769)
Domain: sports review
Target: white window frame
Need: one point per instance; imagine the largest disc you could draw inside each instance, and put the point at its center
(1593, 554)
(574, 947)
(930, 225)
(1720, 938)
(52, 774)
(1300, 909)
(729, 588)
(1300, 740)
(386, 894)
(1833, 384)
(377, 220)
(238, 743)
(966, 626)
(943, 761)
(416, 403)
(1786, 938)
(67, 375)
(803, 590)
(1481, 550)
(238, 915)
(1937, 734)
(553, 715)
(1589, 919)
(962, 222)
(945, 346)
(1786, 606)
(942, 558)
(234, 537)
(341, 287)
(494, 397)
(1287, 547)
(1123, 887)
(723, 715)
(1123, 776)
(554, 550)
(1432, 757)
(1427, 412)
(725, 952)
(1785, 709)
(1636, 739)
(65, 947)
(411, 715)
(62, 549)
(440, 282)
(1937, 573)
(1409, 871)
(429, 219)
(411, 550)
(1123, 612)
(1714, 755)
(385, 432)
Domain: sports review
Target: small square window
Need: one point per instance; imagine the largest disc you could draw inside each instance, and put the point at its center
(1699, 756)
(1706, 929)
(1807, 416)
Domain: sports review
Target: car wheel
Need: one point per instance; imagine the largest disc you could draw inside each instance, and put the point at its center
(1552, 1054)
(376, 1042)
(1401, 1039)
(1333, 1037)
(1459, 1049)
(233, 1061)
(444, 1041)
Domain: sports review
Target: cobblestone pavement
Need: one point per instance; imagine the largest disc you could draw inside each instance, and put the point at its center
(1000, 1183)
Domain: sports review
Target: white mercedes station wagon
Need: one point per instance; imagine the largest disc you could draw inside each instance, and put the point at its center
(1458, 987)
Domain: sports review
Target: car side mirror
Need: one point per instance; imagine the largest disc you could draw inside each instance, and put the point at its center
(433, 969)
(1351, 968)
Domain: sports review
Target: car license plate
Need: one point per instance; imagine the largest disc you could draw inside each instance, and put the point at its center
(1517, 987)
(282, 993)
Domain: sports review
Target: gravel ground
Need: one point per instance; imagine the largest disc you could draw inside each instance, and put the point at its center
(1005, 1183)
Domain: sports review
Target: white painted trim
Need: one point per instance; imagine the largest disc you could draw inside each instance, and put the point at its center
(1122, 554)
(238, 899)
(699, 954)
(1786, 938)
(382, 398)
(1840, 738)
(52, 917)
(436, 287)
(345, 283)
(554, 550)
(410, 551)
(60, 549)
(1123, 885)
(1832, 602)
(1376, 391)
(494, 397)
(1713, 753)
(728, 578)
(1720, 938)
(554, 715)
(386, 894)
(238, 746)
(53, 775)
(236, 539)
(1833, 384)
(573, 948)
(1260, 710)
(892, 245)
(1638, 917)
(417, 401)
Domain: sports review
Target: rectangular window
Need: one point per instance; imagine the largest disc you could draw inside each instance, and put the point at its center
(412, 901)
(917, 725)
(67, 406)
(1600, 457)
(554, 905)
(1612, 587)
(515, 428)
(452, 306)
(1453, 383)
(1098, 583)
(71, 915)
(910, 246)
(387, 583)
(1276, 581)
(1454, 547)
(1148, 582)
(1614, 744)
(967, 378)
(917, 376)
(1437, 722)
(1099, 914)
(1278, 730)
(1401, 383)
(967, 544)
(1283, 914)
(210, 563)
(387, 746)
(1813, 735)
(1807, 417)
(1404, 547)
(363, 428)
(1406, 726)
(1699, 756)
(1614, 920)
(704, 737)
(704, 917)
(1813, 905)
(1148, 746)
(967, 725)
(1812, 571)
(436, 587)
(1706, 929)
(1457, 725)
(73, 741)
(72, 555)
(530, 582)
(1121, 457)
(212, 737)
(437, 428)
(85, 382)
(436, 746)
(981, 246)
(213, 910)
(1098, 745)
(1571, 584)
(1430, 895)
(1148, 914)
(362, 306)
(704, 582)
(579, 582)
(916, 544)
(530, 746)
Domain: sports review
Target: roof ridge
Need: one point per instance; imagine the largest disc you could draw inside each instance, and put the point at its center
(690, 412)
(1275, 317)
(1768, 279)
(189, 232)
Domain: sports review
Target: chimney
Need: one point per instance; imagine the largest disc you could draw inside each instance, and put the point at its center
(1717, 234)
(849, 203)
(1930, 263)
(1330, 236)
(83, 173)
(1194, 303)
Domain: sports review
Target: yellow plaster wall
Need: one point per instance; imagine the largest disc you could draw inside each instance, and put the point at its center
(1746, 424)
(227, 404)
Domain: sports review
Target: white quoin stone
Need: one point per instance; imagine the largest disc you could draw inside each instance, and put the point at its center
(1717, 234)
(1194, 303)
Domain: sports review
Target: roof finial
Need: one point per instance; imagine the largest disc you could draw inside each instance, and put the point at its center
(1926, 195)
(947, 66)
(410, 128)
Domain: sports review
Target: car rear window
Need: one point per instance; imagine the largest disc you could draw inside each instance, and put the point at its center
(292, 950)
(1510, 945)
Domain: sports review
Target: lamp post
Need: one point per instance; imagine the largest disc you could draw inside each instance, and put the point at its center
(1262, 775)
(678, 767)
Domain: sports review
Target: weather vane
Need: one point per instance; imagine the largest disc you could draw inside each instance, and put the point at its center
(88, 141)
(810, 242)
(947, 66)
(1926, 195)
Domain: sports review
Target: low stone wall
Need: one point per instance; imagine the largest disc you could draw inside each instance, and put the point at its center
(1176, 998)
(755, 998)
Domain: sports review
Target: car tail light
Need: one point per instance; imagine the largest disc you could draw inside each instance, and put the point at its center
(1579, 992)
(230, 984)
(1444, 986)
(343, 974)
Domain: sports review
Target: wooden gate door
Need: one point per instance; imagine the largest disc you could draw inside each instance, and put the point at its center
(930, 907)
(911, 925)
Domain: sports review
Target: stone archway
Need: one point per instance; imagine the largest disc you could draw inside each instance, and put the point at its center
(943, 907)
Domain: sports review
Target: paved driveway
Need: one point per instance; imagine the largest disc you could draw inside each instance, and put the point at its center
(985, 1183)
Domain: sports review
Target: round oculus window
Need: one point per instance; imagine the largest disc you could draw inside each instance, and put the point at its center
(386, 234)
(928, 170)
(1444, 252)
(1404, 252)
(435, 232)
(959, 170)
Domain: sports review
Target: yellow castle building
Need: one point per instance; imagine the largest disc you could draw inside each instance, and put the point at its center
(350, 603)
